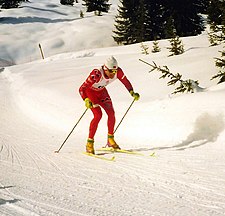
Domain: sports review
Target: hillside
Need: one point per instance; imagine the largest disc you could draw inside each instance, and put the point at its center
(40, 104)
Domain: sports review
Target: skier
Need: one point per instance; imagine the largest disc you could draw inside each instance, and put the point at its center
(95, 96)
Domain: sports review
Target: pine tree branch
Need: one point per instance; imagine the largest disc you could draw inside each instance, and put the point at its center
(220, 63)
(185, 85)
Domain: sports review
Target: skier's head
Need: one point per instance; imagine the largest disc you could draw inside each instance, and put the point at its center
(111, 64)
(110, 67)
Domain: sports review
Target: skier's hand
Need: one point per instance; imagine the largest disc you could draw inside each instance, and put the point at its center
(136, 96)
(88, 103)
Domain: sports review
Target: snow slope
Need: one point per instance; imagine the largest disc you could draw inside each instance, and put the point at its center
(56, 27)
(40, 103)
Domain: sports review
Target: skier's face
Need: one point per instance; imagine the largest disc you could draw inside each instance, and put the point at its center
(111, 73)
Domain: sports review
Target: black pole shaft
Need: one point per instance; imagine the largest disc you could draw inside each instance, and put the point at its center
(124, 115)
(57, 151)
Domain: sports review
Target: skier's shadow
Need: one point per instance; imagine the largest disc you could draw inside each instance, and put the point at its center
(188, 143)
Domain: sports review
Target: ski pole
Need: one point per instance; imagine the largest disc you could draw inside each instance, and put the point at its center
(57, 151)
(124, 115)
(122, 119)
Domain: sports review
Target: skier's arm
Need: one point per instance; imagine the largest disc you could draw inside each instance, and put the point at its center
(94, 77)
(121, 76)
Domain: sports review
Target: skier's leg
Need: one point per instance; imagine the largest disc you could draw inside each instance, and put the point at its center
(93, 128)
(97, 112)
(107, 105)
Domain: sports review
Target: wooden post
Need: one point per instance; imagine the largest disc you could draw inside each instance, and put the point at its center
(42, 54)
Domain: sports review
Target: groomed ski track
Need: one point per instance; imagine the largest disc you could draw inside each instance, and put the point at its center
(36, 181)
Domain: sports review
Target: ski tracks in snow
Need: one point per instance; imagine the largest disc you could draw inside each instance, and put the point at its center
(35, 181)
(169, 180)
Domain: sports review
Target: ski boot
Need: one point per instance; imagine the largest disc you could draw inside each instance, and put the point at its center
(90, 146)
(111, 142)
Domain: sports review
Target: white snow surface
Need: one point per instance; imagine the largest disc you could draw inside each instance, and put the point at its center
(40, 104)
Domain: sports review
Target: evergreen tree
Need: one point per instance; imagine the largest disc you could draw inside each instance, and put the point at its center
(144, 20)
(98, 6)
(202, 6)
(216, 12)
(132, 22)
(177, 47)
(141, 24)
(217, 34)
(67, 2)
(156, 47)
(6, 4)
(220, 63)
(144, 49)
(125, 22)
(169, 28)
(217, 23)
(185, 14)
(213, 38)
(155, 22)
(81, 14)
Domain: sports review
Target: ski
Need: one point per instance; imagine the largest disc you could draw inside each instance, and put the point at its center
(124, 151)
(100, 156)
(108, 149)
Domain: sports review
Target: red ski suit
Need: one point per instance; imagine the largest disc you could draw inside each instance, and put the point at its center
(94, 89)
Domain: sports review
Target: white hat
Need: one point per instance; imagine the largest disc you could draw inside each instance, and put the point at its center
(111, 63)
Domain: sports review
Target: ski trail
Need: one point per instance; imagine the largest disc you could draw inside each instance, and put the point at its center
(27, 151)
(21, 205)
(16, 156)
(56, 167)
(12, 155)
(8, 151)
(170, 182)
(26, 206)
(35, 162)
(1, 149)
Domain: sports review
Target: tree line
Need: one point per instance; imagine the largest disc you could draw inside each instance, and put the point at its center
(145, 20)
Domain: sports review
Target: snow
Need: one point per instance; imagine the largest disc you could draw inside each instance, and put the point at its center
(40, 104)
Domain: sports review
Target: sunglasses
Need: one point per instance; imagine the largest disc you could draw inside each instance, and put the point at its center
(113, 71)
